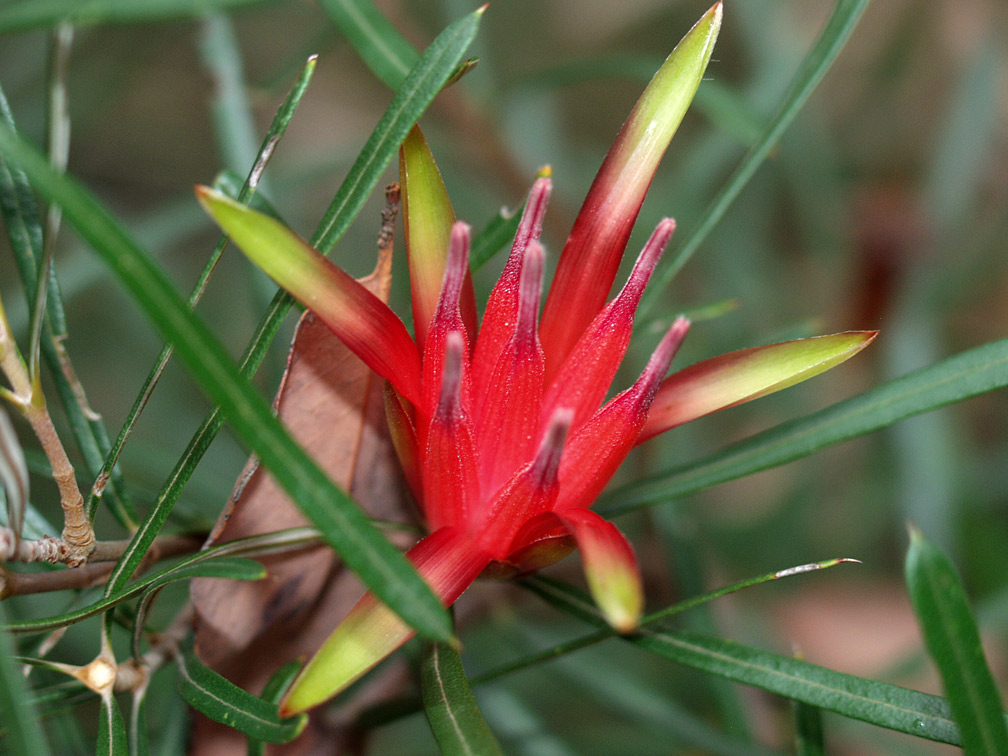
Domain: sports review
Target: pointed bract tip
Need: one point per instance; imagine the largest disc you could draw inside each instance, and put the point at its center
(662, 356)
(482, 9)
(648, 259)
(545, 171)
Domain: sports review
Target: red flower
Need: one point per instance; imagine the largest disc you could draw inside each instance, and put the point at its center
(502, 429)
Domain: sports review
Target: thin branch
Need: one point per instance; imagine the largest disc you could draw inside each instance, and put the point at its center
(104, 556)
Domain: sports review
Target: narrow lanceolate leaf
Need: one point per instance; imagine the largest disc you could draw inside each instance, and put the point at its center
(968, 374)
(223, 701)
(385, 51)
(827, 47)
(13, 474)
(739, 377)
(20, 731)
(382, 567)
(951, 637)
(361, 320)
(18, 15)
(273, 692)
(592, 254)
(112, 739)
(193, 567)
(454, 717)
(435, 67)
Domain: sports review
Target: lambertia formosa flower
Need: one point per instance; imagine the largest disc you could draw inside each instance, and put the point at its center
(502, 426)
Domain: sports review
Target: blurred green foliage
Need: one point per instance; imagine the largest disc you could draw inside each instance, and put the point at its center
(884, 206)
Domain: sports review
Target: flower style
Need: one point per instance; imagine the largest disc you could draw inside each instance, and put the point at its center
(501, 427)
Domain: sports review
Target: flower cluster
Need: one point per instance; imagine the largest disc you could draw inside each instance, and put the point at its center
(501, 425)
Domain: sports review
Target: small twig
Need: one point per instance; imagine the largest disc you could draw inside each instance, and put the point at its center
(95, 573)
(78, 535)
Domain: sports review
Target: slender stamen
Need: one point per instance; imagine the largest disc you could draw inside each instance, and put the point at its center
(449, 402)
(661, 358)
(547, 461)
(455, 272)
(450, 484)
(530, 291)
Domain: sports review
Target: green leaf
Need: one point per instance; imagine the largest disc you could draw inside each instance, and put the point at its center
(381, 566)
(498, 232)
(274, 690)
(968, 374)
(152, 524)
(202, 564)
(418, 89)
(811, 71)
(24, 228)
(112, 740)
(385, 51)
(139, 739)
(225, 568)
(20, 731)
(951, 636)
(414, 96)
(18, 15)
(454, 717)
(223, 701)
(809, 737)
(877, 703)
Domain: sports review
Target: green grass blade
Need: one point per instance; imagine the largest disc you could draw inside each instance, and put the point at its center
(811, 71)
(418, 89)
(381, 566)
(967, 374)
(20, 731)
(454, 717)
(380, 45)
(24, 228)
(223, 701)
(19, 15)
(951, 637)
(169, 495)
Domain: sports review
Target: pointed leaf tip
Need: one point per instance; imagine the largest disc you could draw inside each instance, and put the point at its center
(739, 377)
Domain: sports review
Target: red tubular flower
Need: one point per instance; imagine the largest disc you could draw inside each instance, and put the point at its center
(502, 430)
